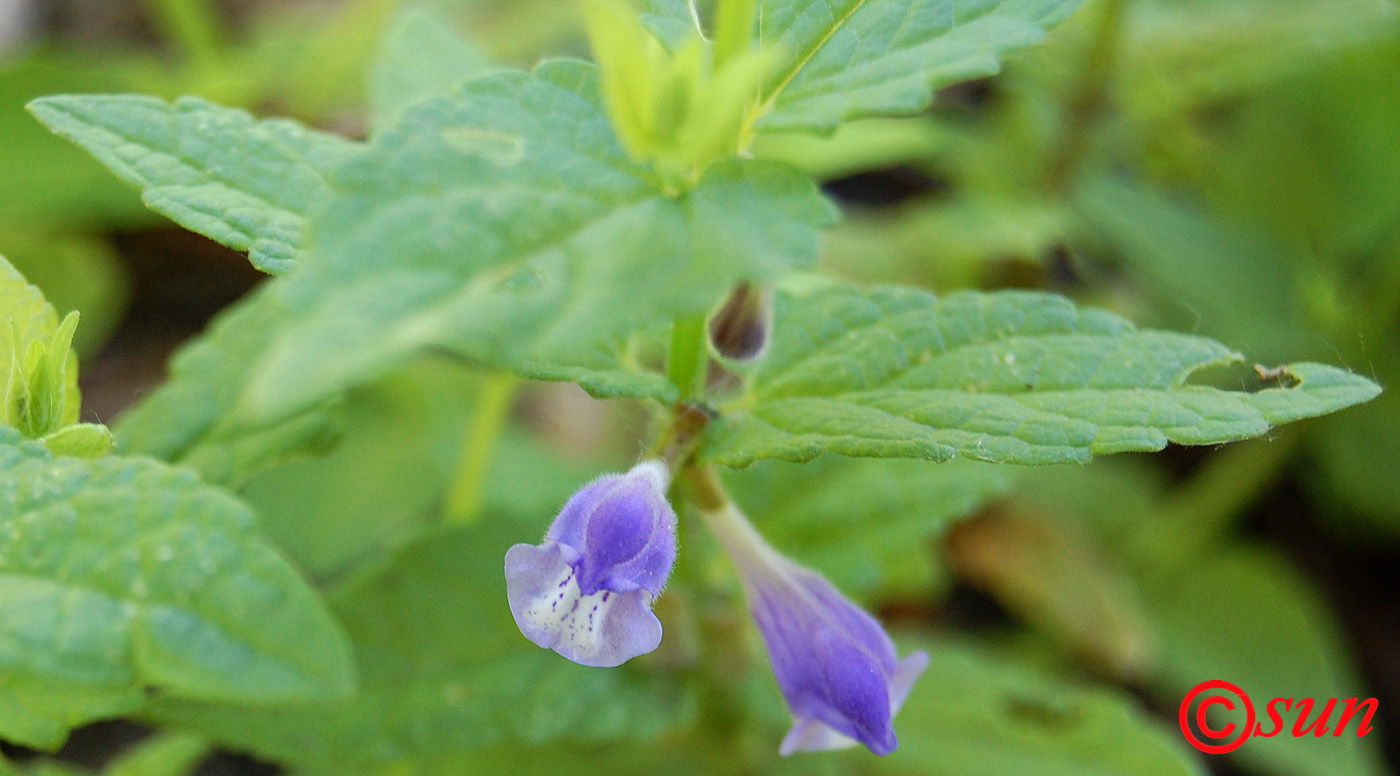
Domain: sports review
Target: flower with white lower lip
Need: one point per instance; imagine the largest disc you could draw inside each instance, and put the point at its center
(586, 591)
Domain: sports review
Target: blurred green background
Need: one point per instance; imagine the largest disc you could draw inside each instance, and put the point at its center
(1225, 167)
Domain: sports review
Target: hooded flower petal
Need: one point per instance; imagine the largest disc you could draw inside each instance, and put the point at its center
(586, 591)
(835, 665)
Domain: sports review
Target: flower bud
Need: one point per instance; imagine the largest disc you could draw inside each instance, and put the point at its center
(586, 591)
(743, 325)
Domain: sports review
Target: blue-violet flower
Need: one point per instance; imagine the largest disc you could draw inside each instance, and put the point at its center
(586, 591)
(835, 665)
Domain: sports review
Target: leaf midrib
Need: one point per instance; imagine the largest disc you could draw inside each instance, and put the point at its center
(771, 99)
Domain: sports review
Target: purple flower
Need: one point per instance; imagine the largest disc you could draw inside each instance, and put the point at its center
(586, 591)
(835, 665)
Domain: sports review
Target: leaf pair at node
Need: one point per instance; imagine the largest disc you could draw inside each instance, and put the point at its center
(683, 108)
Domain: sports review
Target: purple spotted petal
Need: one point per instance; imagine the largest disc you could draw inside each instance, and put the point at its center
(586, 591)
(835, 665)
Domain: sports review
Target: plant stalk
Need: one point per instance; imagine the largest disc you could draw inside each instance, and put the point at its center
(688, 357)
(463, 502)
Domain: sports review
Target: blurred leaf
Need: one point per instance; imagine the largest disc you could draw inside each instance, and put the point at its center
(971, 714)
(1359, 457)
(1011, 377)
(1218, 609)
(945, 244)
(1224, 280)
(446, 671)
(384, 481)
(117, 574)
(1316, 160)
(857, 58)
(384, 478)
(43, 181)
(53, 768)
(233, 458)
(420, 57)
(191, 414)
(856, 146)
(308, 60)
(1242, 614)
(868, 526)
(38, 712)
(1055, 579)
(76, 272)
(1185, 53)
(421, 250)
(1113, 498)
(246, 184)
(161, 754)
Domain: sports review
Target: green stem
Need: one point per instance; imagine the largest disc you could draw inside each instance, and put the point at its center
(685, 365)
(492, 409)
(191, 25)
(1087, 101)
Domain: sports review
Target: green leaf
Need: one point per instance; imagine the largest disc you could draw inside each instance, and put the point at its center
(971, 714)
(508, 226)
(445, 671)
(244, 183)
(1010, 377)
(1242, 614)
(855, 58)
(420, 57)
(118, 574)
(868, 526)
